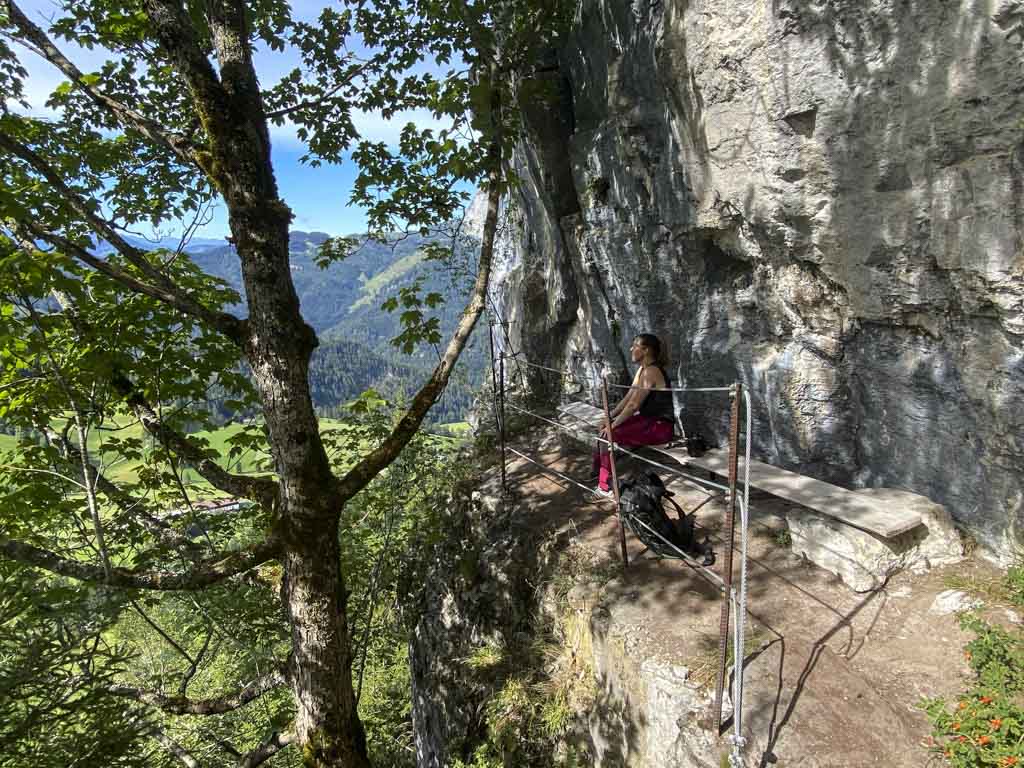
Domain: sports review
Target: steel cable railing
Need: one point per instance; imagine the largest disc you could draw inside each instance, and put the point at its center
(737, 598)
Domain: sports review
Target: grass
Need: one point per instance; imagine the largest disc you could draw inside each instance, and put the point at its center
(457, 428)
(783, 538)
(1003, 589)
(578, 564)
(8, 443)
(380, 281)
(486, 658)
(704, 667)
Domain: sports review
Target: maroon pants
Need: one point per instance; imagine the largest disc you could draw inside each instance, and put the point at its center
(636, 430)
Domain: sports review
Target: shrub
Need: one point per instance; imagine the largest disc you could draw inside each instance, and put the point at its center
(986, 727)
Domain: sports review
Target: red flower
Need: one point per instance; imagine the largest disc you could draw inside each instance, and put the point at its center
(1009, 761)
(955, 726)
(985, 699)
(963, 705)
(984, 739)
(996, 723)
(962, 739)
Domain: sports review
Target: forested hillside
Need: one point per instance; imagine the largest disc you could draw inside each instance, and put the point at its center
(343, 304)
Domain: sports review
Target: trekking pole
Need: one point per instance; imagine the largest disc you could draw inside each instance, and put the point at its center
(615, 475)
(730, 535)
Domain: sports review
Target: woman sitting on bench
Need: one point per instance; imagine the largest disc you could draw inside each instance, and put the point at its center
(644, 415)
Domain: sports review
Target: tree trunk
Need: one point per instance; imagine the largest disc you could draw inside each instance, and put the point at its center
(327, 725)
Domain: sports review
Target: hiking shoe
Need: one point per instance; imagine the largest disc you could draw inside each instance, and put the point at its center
(602, 493)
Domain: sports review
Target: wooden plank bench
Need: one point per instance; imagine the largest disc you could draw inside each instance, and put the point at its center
(850, 507)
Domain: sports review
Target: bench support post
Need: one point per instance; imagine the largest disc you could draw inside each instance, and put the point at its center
(735, 395)
(615, 474)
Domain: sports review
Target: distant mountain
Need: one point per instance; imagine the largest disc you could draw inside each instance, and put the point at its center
(343, 305)
(195, 245)
(345, 298)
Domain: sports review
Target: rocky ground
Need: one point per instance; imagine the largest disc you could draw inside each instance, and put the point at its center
(833, 677)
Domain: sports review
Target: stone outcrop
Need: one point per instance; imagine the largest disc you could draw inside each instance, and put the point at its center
(824, 201)
(865, 561)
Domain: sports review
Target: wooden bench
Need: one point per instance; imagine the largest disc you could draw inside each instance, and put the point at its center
(850, 507)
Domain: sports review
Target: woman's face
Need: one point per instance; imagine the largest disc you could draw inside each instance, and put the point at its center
(637, 350)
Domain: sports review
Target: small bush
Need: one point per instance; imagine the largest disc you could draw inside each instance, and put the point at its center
(986, 727)
(1015, 584)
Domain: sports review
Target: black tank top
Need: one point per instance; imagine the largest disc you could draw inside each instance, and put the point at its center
(658, 403)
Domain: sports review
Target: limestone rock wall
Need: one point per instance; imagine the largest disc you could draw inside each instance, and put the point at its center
(824, 200)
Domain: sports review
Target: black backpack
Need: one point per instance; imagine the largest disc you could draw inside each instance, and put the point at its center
(640, 504)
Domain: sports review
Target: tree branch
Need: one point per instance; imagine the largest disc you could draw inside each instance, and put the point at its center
(204, 572)
(179, 705)
(307, 103)
(37, 39)
(363, 472)
(161, 287)
(165, 290)
(266, 750)
(194, 667)
(163, 633)
(177, 36)
(128, 504)
(182, 754)
(262, 490)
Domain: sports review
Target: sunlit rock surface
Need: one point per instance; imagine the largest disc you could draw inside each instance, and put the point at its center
(821, 200)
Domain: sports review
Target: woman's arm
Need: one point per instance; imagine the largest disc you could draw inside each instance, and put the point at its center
(644, 382)
(620, 407)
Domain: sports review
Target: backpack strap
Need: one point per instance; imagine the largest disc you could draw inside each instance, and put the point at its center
(675, 504)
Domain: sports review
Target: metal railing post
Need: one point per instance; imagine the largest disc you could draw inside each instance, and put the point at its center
(501, 421)
(615, 474)
(730, 535)
(494, 378)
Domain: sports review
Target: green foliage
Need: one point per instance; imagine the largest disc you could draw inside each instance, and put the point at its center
(986, 727)
(88, 345)
(384, 533)
(1015, 584)
(1006, 588)
(535, 696)
(51, 634)
(416, 327)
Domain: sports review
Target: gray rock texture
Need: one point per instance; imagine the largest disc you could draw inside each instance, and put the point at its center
(823, 200)
(953, 601)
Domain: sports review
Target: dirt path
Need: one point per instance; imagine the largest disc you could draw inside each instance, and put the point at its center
(833, 677)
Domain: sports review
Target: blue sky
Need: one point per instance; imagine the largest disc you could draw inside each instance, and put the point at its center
(317, 196)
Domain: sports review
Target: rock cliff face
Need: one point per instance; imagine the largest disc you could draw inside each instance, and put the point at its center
(823, 200)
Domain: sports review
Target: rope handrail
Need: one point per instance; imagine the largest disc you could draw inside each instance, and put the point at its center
(517, 355)
(528, 364)
(605, 441)
(548, 469)
(673, 389)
